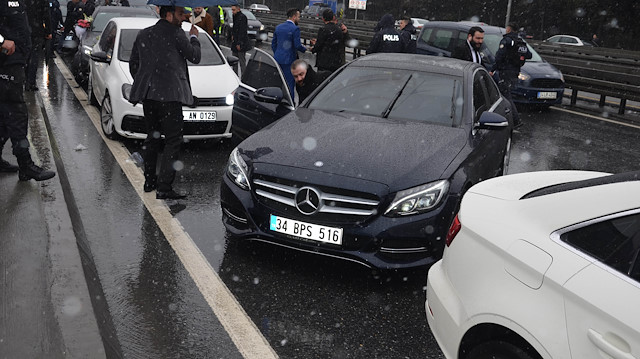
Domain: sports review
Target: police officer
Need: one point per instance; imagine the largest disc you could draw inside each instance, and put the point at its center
(386, 39)
(15, 39)
(408, 35)
(509, 58)
(40, 22)
(217, 13)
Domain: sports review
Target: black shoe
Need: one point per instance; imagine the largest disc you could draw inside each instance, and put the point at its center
(7, 167)
(37, 173)
(169, 195)
(149, 186)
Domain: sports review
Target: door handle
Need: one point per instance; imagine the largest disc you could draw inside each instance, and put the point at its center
(614, 346)
(243, 96)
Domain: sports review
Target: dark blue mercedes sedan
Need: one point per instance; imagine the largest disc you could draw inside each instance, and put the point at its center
(372, 166)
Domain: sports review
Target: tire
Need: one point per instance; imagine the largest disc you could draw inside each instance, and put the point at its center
(106, 119)
(497, 350)
(504, 169)
(92, 96)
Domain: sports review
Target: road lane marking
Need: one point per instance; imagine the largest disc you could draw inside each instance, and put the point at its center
(244, 333)
(594, 117)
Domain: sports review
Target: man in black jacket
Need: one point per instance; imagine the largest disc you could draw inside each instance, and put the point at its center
(408, 35)
(15, 41)
(307, 80)
(327, 45)
(511, 55)
(386, 38)
(239, 37)
(40, 24)
(158, 65)
(470, 49)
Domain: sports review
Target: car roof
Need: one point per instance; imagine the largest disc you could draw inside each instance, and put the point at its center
(413, 62)
(465, 26)
(143, 23)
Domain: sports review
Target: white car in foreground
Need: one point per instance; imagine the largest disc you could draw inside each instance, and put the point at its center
(213, 83)
(541, 265)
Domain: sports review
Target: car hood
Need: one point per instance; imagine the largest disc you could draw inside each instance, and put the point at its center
(91, 38)
(226, 80)
(541, 69)
(398, 154)
(255, 23)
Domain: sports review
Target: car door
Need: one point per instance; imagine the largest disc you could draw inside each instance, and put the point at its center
(100, 70)
(487, 144)
(249, 113)
(602, 301)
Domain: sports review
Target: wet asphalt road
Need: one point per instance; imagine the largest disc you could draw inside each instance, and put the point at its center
(305, 306)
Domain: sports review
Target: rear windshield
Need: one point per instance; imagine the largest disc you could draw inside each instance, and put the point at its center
(396, 94)
(210, 55)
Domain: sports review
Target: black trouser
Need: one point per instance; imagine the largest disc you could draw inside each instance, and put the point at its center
(14, 118)
(34, 57)
(508, 80)
(241, 59)
(162, 118)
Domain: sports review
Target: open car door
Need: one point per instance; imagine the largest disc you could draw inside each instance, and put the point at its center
(263, 95)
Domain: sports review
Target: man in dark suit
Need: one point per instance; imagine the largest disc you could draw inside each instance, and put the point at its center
(239, 37)
(161, 82)
(307, 80)
(286, 44)
(327, 45)
(470, 49)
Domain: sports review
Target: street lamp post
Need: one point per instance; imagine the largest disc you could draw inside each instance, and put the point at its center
(508, 14)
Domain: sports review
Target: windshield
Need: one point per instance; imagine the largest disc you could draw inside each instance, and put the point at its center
(102, 19)
(210, 55)
(248, 14)
(492, 42)
(402, 94)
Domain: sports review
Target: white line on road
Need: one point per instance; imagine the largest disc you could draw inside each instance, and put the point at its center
(244, 333)
(594, 117)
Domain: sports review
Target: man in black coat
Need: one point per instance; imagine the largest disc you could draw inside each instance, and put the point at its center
(327, 45)
(40, 24)
(408, 35)
(470, 49)
(15, 41)
(386, 38)
(307, 80)
(161, 82)
(239, 37)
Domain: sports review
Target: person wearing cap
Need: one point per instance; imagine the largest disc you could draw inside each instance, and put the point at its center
(327, 45)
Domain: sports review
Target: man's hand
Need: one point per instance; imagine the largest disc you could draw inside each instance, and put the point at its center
(238, 47)
(343, 27)
(8, 47)
(193, 31)
(48, 37)
(313, 42)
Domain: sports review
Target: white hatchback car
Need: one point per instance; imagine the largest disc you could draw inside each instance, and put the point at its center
(568, 40)
(213, 83)
(259, 8)
(541, 265)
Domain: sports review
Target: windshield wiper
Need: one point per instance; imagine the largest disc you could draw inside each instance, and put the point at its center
(387, 110)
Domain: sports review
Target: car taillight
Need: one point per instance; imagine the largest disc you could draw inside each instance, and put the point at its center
(453, 230)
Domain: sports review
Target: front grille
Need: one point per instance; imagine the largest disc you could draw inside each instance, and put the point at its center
(336, 205)
(209, 101)
(547, 83)
(136, 124)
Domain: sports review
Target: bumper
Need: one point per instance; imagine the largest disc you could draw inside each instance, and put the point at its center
(130, 123)
(538, 96)
(444, 310)
(378, 242)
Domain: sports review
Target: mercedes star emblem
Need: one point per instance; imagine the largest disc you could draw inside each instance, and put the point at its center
(308, 200)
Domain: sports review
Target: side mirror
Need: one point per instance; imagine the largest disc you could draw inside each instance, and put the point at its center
(492, 121)
(232, 60)
(269, 95)
(100, 56)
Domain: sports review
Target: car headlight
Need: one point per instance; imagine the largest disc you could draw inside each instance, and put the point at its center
(261, 27)
(418, 199)
(523, 77)
(229, 100)
(87, 50)
(237, 170)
